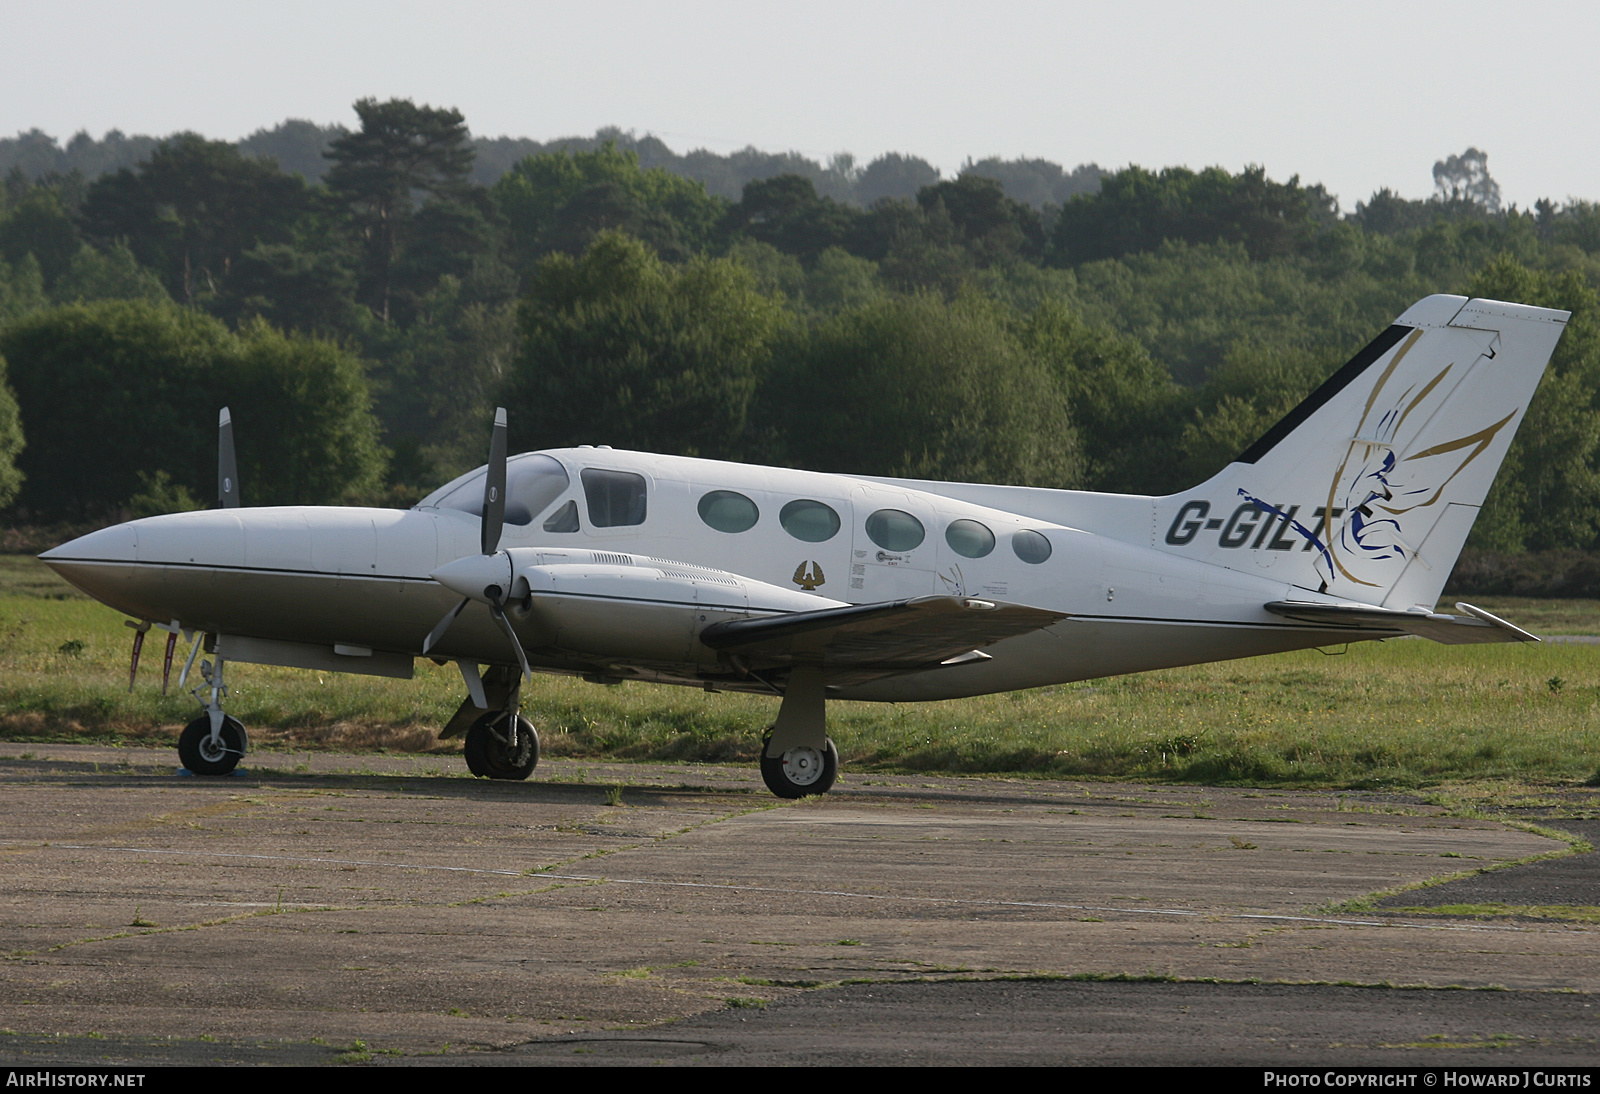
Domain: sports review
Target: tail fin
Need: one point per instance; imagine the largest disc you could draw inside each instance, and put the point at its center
(1368, 488)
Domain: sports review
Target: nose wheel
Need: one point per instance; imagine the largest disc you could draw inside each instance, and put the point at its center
(800, 771)
(207, 753)
(499, 746)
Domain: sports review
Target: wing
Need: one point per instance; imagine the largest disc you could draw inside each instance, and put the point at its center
(1477, 626)
(867, 641)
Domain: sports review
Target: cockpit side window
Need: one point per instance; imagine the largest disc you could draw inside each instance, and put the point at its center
(616, 498)
(533, 481)
(564, 519)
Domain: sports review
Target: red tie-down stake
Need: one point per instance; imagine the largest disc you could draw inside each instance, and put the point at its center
(166, 664)
(139, 630)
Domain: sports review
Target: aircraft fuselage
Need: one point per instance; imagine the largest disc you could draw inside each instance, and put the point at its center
(356, 579)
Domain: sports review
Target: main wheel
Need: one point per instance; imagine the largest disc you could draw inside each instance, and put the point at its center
(800, 771)
(203, 756)
(492, 755)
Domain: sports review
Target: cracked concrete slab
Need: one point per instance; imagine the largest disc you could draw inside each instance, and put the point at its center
(391, 900)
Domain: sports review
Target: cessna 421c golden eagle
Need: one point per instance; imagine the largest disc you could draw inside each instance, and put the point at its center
(1341, 524)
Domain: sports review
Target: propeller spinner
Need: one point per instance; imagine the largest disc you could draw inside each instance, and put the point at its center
(486, 578)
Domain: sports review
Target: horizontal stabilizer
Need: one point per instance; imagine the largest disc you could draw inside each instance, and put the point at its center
(1476, 626)
(895, 636)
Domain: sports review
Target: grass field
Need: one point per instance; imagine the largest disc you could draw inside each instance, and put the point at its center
(1404, 713)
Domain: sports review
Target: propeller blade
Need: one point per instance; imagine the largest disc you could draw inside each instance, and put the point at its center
(494, 485)
(505, 625)
(227, 466)
(442, 626)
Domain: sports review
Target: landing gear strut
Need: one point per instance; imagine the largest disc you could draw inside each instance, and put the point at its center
(798, 757)
(213, 743)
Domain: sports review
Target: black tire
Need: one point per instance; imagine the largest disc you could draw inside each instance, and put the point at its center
(198, 755)
(477, 763)
(488, 756)
(800, 772)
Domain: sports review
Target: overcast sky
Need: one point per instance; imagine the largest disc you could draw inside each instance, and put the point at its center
(1355, 95)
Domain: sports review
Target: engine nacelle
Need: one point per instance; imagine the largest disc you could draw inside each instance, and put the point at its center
(628, 606)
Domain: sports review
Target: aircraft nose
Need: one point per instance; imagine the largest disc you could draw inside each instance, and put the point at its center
(119, 543)
(475, 575)
(98, 563)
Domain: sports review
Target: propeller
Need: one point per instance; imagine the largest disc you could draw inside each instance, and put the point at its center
(227, 466)
(486, 577)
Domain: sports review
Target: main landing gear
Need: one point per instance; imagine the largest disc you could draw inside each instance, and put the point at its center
(500, 742)
(213, 743)
(798, 758)
(799, 771)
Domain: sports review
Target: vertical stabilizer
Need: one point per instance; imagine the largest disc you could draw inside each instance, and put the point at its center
(1368, 488)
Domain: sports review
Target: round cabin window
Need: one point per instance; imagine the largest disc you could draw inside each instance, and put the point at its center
(810, 521)
(727, 511)
(969, 539)
(1030, 546)
(895, 531)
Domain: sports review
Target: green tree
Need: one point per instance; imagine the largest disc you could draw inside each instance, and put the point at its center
(440, 378)
(303, 418)
(11, 441)
(121, 392)
(839, 280)
(21, 289)
(39, 225)
(992, 227)
(560, 201)
(295, 286)
(620, 348)
(1548, 491)
(1136, 210)
(109, 390)
(401, 150)
(893, 175)
(787, 212)
(192, 209)
(110, 275)
(1466, 178)
(1120, 400)
(913, 386)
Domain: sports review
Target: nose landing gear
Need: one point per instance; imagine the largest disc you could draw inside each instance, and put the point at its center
(213, 743)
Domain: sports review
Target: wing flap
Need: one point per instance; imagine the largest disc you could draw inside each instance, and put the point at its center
(1476, 626)
(894, 636)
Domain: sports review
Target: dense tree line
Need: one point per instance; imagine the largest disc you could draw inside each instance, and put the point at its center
(300, 147)
(363, 297)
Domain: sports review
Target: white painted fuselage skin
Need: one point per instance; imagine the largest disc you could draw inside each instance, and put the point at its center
(355, 578)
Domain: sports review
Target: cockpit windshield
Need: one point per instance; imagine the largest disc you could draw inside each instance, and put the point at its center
(533, 481)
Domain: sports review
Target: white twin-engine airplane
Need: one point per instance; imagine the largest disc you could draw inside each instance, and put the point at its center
(1341, 524)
